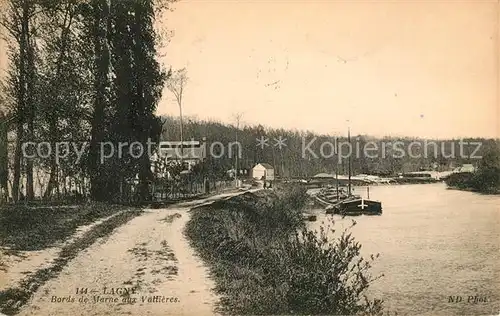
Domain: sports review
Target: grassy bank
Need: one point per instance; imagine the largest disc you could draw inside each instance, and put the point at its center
(483, 181)
(486, 179)
(265, 261)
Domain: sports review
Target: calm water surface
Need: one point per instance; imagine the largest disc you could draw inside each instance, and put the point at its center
(433, 243)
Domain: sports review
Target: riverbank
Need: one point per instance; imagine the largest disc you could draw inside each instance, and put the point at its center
(265, 261)
(484, 181)
(395, 181)
(495, 192)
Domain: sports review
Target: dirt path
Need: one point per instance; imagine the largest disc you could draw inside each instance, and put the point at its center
(150, 256)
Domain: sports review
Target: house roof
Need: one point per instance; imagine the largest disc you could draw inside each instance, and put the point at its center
(265, 165)
(324, 175)
(467, 168)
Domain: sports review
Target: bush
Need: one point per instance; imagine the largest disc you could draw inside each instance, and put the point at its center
(486, 179)
(323, 276)
(459, 180)
(265, 261)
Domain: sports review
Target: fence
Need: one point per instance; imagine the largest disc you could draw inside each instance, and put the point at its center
(160, 191)
(171, 190)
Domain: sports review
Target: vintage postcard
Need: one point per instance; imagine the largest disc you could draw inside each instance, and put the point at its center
(249, 157)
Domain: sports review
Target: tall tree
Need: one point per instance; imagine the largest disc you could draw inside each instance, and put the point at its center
(98, 15)
(18, 21)
(150, 83)
(62, 85)
(177, 84)
(125, 53)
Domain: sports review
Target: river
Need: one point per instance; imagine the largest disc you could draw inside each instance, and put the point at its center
(433, 243)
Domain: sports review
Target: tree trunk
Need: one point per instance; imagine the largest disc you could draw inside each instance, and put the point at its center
(145, 174)
(30, 80)
(182, 128)
(97, 178)
(53, 120)
(4, 158)
(17, 163)
(21, 101)
(52, 180)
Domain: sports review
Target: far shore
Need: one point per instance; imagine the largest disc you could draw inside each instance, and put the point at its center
(473, 190)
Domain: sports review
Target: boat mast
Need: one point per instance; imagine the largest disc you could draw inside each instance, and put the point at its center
(349, 166)
(337, 169)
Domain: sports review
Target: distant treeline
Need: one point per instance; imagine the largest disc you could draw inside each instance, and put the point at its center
(306, 153)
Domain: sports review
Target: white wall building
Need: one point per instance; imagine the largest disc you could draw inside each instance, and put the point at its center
(465, 168)
(263, 171)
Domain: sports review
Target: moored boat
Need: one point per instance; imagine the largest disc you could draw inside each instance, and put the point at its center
(349, 204)
(355, 205)
(328, 196)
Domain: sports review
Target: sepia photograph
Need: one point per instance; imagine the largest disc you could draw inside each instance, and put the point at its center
(249, 157)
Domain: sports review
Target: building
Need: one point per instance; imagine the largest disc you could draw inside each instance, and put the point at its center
(324, 176)
(328, 178)
(465, 168)
(263, 171)
(421, 174)
(242, 172)
(190, 151)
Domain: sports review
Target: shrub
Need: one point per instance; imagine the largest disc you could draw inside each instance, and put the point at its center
(486, 179)
(459, 180)
(323, 274)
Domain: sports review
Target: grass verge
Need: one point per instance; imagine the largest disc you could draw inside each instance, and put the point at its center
(25, 228)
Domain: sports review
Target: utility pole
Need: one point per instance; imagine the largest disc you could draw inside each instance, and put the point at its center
(337, 169)
(237, 117)
(349, 166)
(236, 161)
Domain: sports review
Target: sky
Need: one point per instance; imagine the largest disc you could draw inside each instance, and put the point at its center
(406, 68)
(383, 68)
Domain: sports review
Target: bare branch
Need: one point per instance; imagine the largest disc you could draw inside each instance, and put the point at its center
(176, 84)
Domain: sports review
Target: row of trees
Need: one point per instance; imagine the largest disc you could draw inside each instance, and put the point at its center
(82, 71)
(86, 71)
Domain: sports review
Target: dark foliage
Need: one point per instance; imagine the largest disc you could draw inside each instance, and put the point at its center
(486, 179)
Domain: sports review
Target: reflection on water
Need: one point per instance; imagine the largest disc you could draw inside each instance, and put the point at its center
(433, 243)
